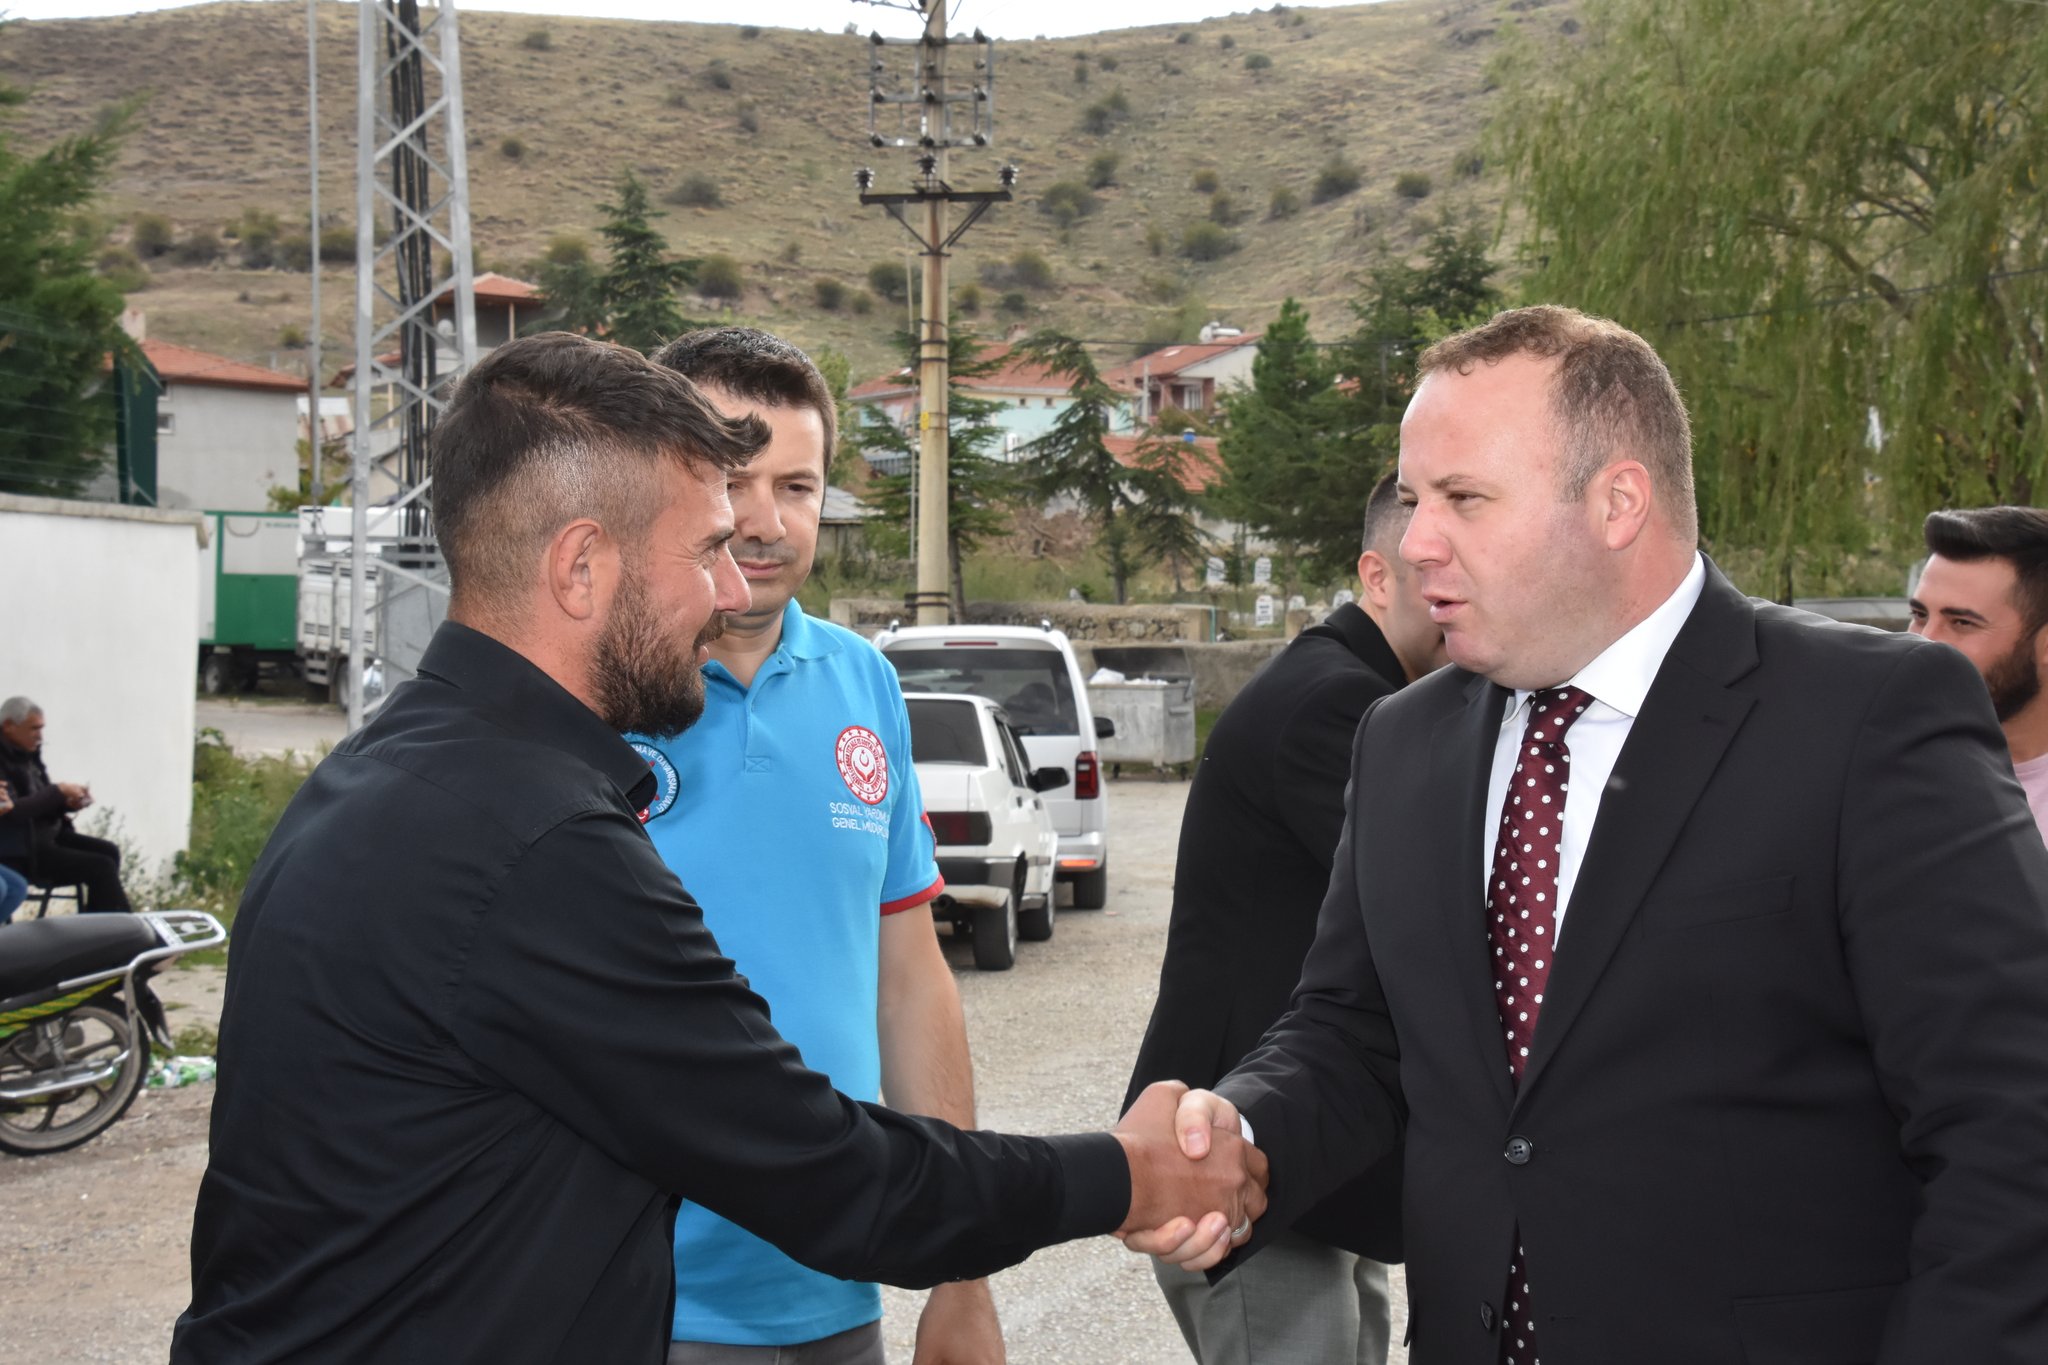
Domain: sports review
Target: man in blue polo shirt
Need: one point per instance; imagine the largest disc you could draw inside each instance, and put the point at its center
(792, 813)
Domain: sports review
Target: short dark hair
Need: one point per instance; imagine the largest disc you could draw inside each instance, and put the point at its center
(1612, 393)
(2018, 535)
(1383, 512)
(553, 427)
(756, 367)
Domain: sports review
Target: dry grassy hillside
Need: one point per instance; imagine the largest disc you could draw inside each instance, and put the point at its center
(778, 120)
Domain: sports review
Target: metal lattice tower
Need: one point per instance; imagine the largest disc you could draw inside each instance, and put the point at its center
(412, 249)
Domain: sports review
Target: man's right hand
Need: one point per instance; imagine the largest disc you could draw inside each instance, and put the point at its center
(76, 795)
(1190, 1190)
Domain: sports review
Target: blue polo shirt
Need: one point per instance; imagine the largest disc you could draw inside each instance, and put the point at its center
(792, 814)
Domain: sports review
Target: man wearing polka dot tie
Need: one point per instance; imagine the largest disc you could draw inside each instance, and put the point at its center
(1702, 954)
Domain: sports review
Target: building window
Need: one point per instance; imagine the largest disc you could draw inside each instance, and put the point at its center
(166, 423)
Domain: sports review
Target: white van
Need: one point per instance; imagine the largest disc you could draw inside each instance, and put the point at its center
(1034, 677)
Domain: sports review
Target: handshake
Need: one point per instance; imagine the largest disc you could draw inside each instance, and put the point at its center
(1196, 1184)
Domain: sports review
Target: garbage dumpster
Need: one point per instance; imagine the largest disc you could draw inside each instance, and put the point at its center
(1150, 694)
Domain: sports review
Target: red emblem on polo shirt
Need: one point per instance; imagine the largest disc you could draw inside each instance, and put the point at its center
(863, 763)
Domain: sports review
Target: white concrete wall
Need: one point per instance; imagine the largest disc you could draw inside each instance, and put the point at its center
(227, 448)
(100, 628)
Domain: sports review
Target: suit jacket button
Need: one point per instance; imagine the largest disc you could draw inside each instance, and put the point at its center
(1519, 1150)
(1486, 1317)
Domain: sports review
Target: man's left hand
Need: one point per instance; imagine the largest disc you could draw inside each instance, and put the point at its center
(959, 1327)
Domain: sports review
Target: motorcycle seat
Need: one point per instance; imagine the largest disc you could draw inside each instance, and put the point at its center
(37, 955)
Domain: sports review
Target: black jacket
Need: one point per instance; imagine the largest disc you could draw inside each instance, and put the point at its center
(477, 1040)
(1261, 826)
(39, 811)
(1788, 1098)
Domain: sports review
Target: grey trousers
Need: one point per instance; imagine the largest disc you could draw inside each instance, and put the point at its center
(855, 1346)
(1297, 1302)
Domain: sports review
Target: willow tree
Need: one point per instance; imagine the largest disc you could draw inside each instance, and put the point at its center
(1828, 217)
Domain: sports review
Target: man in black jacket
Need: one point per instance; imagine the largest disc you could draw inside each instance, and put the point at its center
(1261, 826)
(36, 837)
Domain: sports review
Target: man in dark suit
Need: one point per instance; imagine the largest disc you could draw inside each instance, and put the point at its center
(1262, 822)
(1782, 1095)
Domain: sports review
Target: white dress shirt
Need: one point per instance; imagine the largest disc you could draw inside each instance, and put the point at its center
(1617, 680)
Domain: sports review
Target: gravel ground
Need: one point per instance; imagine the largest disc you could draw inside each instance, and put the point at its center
(95, 1271)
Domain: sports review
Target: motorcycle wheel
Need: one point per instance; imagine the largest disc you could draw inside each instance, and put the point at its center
(65, 1118)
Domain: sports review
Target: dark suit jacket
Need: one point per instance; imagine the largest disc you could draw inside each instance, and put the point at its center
(1788, 1097)
(1261, 827)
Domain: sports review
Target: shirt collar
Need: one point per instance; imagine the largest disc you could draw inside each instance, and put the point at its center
(803, 637)
(1621, 674)
(525, 700)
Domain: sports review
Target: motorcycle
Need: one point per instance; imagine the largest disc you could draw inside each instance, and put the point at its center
(77, 1017)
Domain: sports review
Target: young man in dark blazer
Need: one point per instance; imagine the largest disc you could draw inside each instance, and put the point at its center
(1261, 826)
(1782, 1094)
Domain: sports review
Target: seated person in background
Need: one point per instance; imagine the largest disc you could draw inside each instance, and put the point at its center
(13, 886)
(36, 837)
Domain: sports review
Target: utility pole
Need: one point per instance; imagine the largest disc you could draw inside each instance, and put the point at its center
(313, 430)
(935, 133)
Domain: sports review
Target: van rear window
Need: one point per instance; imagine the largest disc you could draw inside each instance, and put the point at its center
(1031, 684)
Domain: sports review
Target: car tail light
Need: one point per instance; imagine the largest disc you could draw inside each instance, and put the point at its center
(1087, 776)
(959, 826)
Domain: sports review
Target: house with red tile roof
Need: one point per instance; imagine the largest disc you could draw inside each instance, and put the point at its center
(503, 306)
(227, 431)
(1032, 397)
(1188, 377)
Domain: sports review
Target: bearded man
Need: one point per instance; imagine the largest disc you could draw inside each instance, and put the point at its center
(477, 1042)
(1985, 591)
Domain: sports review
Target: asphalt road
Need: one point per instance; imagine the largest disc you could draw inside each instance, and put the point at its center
(93, 1268)
(270, 725)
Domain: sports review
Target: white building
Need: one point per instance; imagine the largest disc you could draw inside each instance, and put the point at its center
(102, 611)
(227, 431)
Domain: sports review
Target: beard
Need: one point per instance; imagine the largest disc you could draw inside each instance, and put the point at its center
(2014, 681)
(644, 678)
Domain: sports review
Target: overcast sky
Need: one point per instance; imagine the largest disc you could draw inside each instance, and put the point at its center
(999, 18)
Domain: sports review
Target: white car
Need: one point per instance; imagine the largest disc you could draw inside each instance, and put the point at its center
(996, 842)
(1034, 676)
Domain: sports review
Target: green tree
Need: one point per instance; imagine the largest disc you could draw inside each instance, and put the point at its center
(1848, 285)
(980, 485)
(637, 291)
(1303, 446)
(1142, 511)
(569, 280)
(58, 319)
(1274, 446)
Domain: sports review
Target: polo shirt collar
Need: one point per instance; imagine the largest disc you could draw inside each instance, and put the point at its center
(804, 638)
(526, 701)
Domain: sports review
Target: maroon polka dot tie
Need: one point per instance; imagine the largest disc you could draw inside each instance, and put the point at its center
(1521, 906)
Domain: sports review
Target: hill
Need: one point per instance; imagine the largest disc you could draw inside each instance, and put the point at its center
(557, 107)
